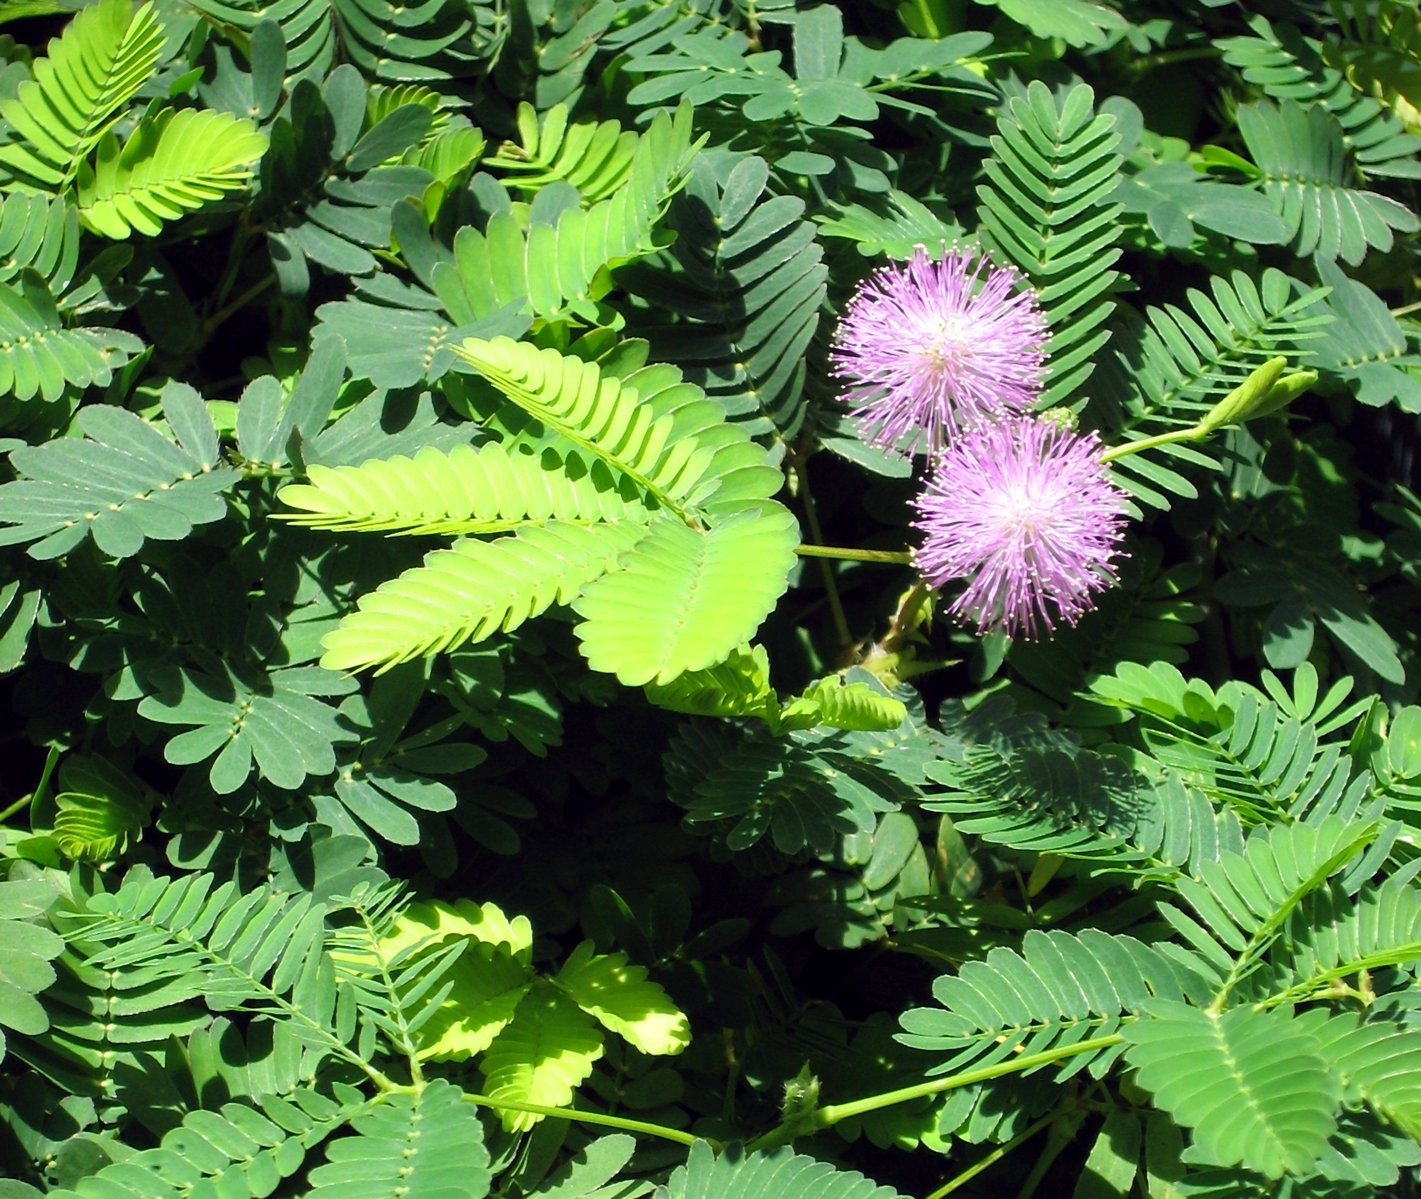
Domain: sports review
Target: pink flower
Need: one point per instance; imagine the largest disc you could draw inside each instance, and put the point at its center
(933, 349)
(1027, 513)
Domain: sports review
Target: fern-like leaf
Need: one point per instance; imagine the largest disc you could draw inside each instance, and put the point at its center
(1242, 902)
(40, 358)
(737, 686)
(746, 288)
(594, 156)
(490, 489)
(429, 1145)
(598, 413)
(1380, 1065)
(467, 592)
(25, 969)
(40, 233)
(1058, 991)
(238, 1150)
(542, 1056)
(1237, 745)
(554, 269)
(1306, 174)
(686, 598)
(622, 999)
(93, 69)
(98, 808)
(811, 789)
(1253, 1085)
(783, 1174)
(841, 702)
(121, 483)
(1288, 66)
(660, 432)
(1176, 367)
(1046, 207)
(172, 164)
(740, 686)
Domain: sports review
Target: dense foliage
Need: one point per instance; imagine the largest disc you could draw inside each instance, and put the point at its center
(474, 724)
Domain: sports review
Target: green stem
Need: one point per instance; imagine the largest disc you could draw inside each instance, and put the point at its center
(992, 1158)
(816, 531)
(19, 804)
(1407, 309)
(1148, 443)
(568, 1113)
(845, 554)
(1143, 66)
(211, 324)
(827, 1117)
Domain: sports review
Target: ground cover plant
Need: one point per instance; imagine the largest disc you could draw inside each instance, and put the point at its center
(709, 598)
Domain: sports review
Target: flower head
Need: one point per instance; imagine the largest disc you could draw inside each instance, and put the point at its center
(935, 348)
(1027, 512)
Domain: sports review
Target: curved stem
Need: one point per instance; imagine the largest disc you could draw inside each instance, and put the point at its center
(827, 1117)
(848, 554)
(568, 1113)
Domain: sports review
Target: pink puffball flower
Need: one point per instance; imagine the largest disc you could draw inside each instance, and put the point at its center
(1026, 511)
(934, 348)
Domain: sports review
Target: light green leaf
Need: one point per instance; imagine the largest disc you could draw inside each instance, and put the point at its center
(474, 589)
(619, 995)
(542, 1056)
(687, 597)
(172, 164)
(93, 69)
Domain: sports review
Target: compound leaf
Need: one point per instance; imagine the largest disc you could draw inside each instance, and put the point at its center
(121, 483)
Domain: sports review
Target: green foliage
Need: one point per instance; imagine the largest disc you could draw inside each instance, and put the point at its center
(594, 157)
(735, 1175)
(172, 164)
(122, 483)
(97, 810)
(746, 282)
(1181, 362)
(92, 71)
(1301, 156)
(465, 736)
(29, 949)
(42, 359)
(555, 268)
(657, 597)
(1046, 206)
(1253, 1091)
(538, 1037)
(740, 686)
(426, 1144)
(1290, 65)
